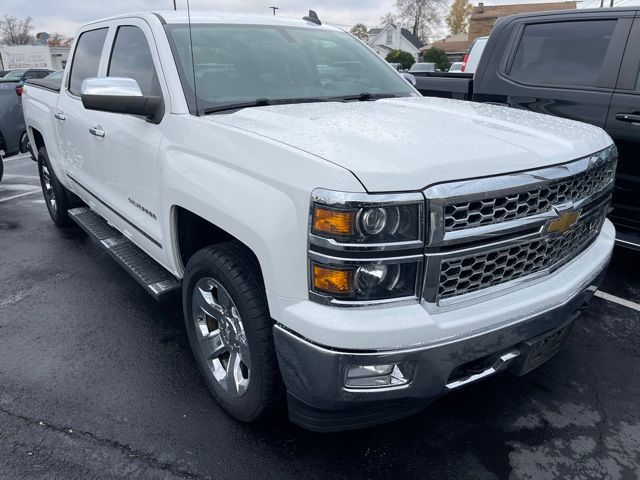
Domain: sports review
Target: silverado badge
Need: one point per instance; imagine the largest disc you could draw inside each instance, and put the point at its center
(564, 222)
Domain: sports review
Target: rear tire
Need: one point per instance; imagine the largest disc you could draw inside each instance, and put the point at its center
(56, 197)
(230, 331)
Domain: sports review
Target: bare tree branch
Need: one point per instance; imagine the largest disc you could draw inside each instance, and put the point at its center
(16, 32)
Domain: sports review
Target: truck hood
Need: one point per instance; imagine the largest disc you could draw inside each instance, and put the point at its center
(410, 143)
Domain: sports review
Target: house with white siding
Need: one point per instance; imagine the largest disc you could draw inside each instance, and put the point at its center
(393, 37)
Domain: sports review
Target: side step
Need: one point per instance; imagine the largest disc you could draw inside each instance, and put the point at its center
(148, 273)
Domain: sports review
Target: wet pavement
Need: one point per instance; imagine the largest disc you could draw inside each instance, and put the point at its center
(97, 381)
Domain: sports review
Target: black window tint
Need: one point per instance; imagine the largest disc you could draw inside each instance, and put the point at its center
(86, 58)
(567, 53)
(131, 58)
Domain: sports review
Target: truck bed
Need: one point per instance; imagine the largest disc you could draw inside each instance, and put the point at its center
(53, 85)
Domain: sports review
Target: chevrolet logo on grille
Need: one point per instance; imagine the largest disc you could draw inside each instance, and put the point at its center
(564, 222)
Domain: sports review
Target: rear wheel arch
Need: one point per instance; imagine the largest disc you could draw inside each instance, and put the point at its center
(37, 138)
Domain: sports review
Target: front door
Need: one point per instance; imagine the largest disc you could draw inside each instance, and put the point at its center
(623, 124)
(126, 156)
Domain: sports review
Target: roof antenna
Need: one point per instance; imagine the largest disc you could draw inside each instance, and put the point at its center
(313, 18)
(193, 63)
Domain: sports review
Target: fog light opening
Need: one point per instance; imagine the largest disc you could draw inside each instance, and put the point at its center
(378, 376)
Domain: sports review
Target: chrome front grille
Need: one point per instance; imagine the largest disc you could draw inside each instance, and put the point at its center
(494, 209)
(470, 273)
(489, 234)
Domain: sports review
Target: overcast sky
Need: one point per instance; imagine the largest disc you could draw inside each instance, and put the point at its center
(65, 16)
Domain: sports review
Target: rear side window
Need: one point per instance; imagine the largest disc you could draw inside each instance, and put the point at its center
(86, 58)
(131, 58)
(567, 53)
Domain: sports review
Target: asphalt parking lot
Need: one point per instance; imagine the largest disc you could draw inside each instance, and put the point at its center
(97, 381)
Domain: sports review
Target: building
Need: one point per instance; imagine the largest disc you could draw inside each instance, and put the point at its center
(483, 17)
(454, 45)
(392, 37)
(481, 24)
(33, 56)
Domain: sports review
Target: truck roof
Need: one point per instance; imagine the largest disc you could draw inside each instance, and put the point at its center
(202, 17)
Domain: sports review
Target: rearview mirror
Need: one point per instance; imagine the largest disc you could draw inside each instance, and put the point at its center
(119, 95)
(409, 78)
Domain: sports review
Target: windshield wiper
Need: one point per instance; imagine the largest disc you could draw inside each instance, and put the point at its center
(263, 102)
(365, 96)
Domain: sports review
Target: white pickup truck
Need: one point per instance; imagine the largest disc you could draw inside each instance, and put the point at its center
(339, 241)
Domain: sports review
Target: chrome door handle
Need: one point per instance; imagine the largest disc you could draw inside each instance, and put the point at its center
(96, 131)
(60, 116)
(628, 117)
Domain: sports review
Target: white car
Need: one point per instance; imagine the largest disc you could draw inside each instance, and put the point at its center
(329, 245)
(455, 67)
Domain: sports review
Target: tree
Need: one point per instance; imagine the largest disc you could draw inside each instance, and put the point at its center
(437, 56)
(400, 56)
(57, 40)
(458, 18)
(361, 31)
(16, 32)
(422, 15)
(387, 19)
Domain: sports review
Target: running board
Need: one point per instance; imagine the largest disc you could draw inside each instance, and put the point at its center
(150, 274)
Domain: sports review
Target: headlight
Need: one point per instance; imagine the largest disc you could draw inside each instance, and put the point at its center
(365, 247)
(366, 219)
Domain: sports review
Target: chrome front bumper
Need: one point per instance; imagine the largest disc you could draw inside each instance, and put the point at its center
(314, 375)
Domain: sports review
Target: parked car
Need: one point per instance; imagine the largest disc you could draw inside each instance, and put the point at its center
(455, 67)
(472, 58)
(397, 66)
(320, 256)
(13, 133)
(420, 67)
(572, 64)
(3, 73)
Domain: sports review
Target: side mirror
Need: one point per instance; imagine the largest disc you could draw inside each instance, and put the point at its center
(410, 78)
(119, 95)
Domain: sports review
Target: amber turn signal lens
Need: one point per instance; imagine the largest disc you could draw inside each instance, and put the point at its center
(333, 222)
(332, 280)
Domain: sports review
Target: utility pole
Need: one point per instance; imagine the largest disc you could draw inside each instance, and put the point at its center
(174, 5)
(601, 3)
(611, 4)
(274, 9)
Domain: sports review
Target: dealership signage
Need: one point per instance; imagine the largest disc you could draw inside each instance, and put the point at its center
(25, 56)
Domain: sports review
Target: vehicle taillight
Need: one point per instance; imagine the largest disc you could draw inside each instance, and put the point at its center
(19, 90)
(464, 61)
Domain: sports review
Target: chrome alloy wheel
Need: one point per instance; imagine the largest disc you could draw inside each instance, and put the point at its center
(50, 195)
(221, 335)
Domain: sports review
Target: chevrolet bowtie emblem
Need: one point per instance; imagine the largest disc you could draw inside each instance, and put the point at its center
(564, 222)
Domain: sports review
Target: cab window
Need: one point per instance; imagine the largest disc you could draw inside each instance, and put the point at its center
(564, 53)
(131, 58)
(86, 59)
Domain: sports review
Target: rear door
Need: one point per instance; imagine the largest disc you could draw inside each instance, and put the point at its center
(562, 65)
(623, 124)
(72, 120)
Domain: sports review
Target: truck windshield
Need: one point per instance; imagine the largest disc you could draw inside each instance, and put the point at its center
(254, 65)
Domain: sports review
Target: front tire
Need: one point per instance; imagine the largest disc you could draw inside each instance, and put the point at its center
(56, 196)
(230, 331)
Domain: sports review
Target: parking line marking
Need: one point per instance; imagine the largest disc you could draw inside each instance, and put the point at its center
(16, 175)
(618, 300)
(17, 157)
(19, 195)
